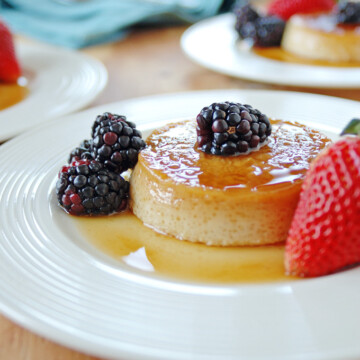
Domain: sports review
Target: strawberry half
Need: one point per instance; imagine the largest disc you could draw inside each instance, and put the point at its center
(287, 8)
(9, 67)
(324, 236)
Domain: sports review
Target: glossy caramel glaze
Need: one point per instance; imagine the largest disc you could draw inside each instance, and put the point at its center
(126, 239)
(172, 154)
(11, 94)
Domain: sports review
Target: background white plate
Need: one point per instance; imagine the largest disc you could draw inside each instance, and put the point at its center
(60, 82)
(54, 283)
(212, 44)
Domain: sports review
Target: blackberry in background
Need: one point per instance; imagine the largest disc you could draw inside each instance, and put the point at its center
(248, 32)
(269, 31)
(245, 17)
(230, 128)
(263, 31)
(348, 12)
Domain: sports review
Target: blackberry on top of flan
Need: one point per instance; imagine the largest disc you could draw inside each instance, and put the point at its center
(186, 185)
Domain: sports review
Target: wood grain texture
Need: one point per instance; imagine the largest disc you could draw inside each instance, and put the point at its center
(17, 343)
(151, 62)
(147, 62)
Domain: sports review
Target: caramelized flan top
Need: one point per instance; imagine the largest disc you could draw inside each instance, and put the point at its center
(172, 154)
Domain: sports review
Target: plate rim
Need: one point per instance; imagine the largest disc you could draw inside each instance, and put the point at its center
(98, 72)
(268, 78)
(85, 345)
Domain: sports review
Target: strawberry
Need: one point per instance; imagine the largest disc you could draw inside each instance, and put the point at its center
(287, 8)
(9, 67)
(324, 236)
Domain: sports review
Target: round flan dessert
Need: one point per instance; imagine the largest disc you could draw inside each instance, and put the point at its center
(248, 199)
(320, 37)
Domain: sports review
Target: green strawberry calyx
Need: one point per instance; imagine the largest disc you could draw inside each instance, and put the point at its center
(353, 128)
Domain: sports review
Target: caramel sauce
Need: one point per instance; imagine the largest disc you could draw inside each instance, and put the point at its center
(279, 54)
(172, 153)
(125, 238)
(11, 94)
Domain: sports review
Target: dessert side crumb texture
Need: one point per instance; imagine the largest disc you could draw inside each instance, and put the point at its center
(241, 200)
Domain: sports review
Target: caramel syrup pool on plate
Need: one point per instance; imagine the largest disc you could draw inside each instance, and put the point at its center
(277, 53)
(11, 94)
(125, 238)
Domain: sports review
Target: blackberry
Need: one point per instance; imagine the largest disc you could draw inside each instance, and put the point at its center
(263, 31)
(116, 142)
(245, 15)
(348, 12)
(248, 31)
(103, 121)
(83, 151)
(230, 128)
(85, 187)
(269, 31)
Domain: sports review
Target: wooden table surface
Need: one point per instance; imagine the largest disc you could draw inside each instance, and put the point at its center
(147, 62)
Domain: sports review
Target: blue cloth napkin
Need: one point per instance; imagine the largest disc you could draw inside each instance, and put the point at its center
(80, 23)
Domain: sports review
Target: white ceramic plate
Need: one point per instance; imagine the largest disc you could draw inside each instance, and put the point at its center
(212, 44)
(60, 82)
(57, 285)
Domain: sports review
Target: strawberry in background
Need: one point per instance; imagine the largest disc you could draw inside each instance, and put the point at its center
(287, 8)
(324, 236)
(10, 69)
